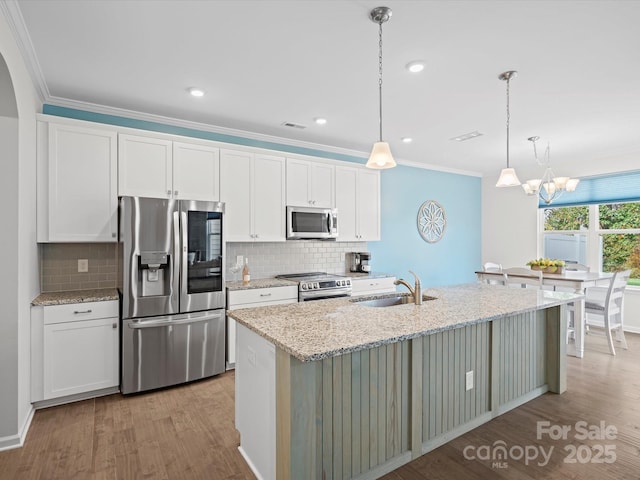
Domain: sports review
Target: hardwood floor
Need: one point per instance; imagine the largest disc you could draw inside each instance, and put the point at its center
(188, 432)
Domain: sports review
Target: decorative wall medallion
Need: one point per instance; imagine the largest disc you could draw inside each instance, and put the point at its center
(431, 221)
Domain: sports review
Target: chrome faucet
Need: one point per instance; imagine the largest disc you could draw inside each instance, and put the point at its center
(416, 291)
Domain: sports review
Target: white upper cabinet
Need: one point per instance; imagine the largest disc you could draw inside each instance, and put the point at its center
(159, 168)
(77, 184)
(253, 192)
(310, 184)
(358, 204)
(196, 172)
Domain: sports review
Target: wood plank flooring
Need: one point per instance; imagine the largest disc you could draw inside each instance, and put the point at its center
(188, 432)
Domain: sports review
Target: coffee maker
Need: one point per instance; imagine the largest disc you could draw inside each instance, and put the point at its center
(360, 262)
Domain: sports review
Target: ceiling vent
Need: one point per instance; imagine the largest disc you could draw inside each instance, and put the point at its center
(467, 136)
(293, 125)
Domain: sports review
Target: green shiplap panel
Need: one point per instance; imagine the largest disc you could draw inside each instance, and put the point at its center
(373, 407)
(327, 414)
(346, 434)
(521, 355)
(356, 417)
(337, 399)
(382, 404)
(406, 397)
(365, 412)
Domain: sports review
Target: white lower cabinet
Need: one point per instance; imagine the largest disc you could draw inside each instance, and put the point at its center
(74, 349)
(372, 286)
(249, 298)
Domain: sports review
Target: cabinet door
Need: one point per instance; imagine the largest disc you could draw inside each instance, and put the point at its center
(322, 182)
(268, 201)
(80, 356)
(83, 201)
(368, 192)
(196, 172)
(144, 167)
(235, 192)
(346, 200)
(297, 183)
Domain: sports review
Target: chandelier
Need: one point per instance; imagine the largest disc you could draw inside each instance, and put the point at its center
(549, 187)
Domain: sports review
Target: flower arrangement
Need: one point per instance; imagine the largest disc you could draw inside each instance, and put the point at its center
(547, 265)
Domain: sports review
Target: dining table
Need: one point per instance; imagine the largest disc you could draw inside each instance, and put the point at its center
(576, 281)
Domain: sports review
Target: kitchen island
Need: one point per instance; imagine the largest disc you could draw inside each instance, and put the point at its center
(337, 389)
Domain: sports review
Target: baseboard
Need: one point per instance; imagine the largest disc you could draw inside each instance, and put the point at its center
(628, 329)
(17, 440)
(250, 463)
(76, 397)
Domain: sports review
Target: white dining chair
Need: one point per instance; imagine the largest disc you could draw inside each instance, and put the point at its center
(491, 266)
(607, 313)
(523, 277)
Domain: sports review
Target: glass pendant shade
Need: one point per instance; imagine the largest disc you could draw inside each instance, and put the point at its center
(572, 183)
(381, 157)
(508, 178)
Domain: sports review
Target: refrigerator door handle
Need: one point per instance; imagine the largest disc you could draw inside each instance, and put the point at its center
(177, 258)
(184, 228)
(136, 324)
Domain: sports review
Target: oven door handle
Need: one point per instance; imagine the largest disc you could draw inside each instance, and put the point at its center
(136, 324)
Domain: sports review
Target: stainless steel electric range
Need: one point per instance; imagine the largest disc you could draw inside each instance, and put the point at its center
(319, 285)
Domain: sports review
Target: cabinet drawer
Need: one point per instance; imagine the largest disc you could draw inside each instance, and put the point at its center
(371, 286)
(287, 294)
(76, 312)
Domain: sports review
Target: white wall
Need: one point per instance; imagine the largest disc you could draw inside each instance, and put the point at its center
(19, 282)
(509, 225)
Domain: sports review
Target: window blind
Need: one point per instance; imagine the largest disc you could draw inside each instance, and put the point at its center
(618, 187)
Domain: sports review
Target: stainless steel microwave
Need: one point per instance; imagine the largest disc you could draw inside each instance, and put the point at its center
(312, 223)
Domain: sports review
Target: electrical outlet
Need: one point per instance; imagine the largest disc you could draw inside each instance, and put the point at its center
(83, 265)
(239, 260)
(469, 380)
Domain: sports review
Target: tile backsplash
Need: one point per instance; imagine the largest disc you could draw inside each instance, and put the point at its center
(270, 259)
(59, 261)
(59, 266)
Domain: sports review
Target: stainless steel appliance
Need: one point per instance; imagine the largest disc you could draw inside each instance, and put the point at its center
(172, 292)
(360, 262)
(319, 285)
(312, 223)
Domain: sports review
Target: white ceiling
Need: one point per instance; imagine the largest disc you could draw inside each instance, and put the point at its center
(266, 62)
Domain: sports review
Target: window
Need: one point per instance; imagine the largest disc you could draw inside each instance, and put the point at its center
(603, 236)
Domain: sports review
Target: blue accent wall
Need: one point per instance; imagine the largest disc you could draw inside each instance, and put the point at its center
(404, 189)
(457, 255)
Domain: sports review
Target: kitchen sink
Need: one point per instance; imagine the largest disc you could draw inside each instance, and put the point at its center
(389, 301)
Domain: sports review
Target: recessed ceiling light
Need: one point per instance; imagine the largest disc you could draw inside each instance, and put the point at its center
(320, 120)
(416, 66)
(407, 139)
(196, 92)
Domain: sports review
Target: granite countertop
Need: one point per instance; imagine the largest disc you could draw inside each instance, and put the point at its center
(312, 331)
(75, 296)
(260, 283)
(279, 282)
(359, 275)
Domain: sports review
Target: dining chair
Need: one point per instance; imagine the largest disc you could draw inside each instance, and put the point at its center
(491, 266)
(607, 313)
(523, 277)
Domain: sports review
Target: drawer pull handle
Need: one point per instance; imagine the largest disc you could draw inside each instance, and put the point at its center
(76, 312)
(114, 325)
(265, 294)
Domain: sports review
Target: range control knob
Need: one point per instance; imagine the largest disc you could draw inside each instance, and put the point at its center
(303, 286)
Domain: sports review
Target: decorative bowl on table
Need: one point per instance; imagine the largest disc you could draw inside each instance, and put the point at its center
(547, 265)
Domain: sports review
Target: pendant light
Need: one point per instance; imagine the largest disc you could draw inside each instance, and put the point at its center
(508, 177)
(380, 153)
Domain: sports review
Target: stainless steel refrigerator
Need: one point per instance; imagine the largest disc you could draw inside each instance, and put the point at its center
(172, 291)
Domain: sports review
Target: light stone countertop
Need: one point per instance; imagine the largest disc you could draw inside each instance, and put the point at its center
(315, 330)
(75, 296)
(260, 283)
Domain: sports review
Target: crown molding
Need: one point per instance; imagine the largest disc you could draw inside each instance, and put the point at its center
(15, 20)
